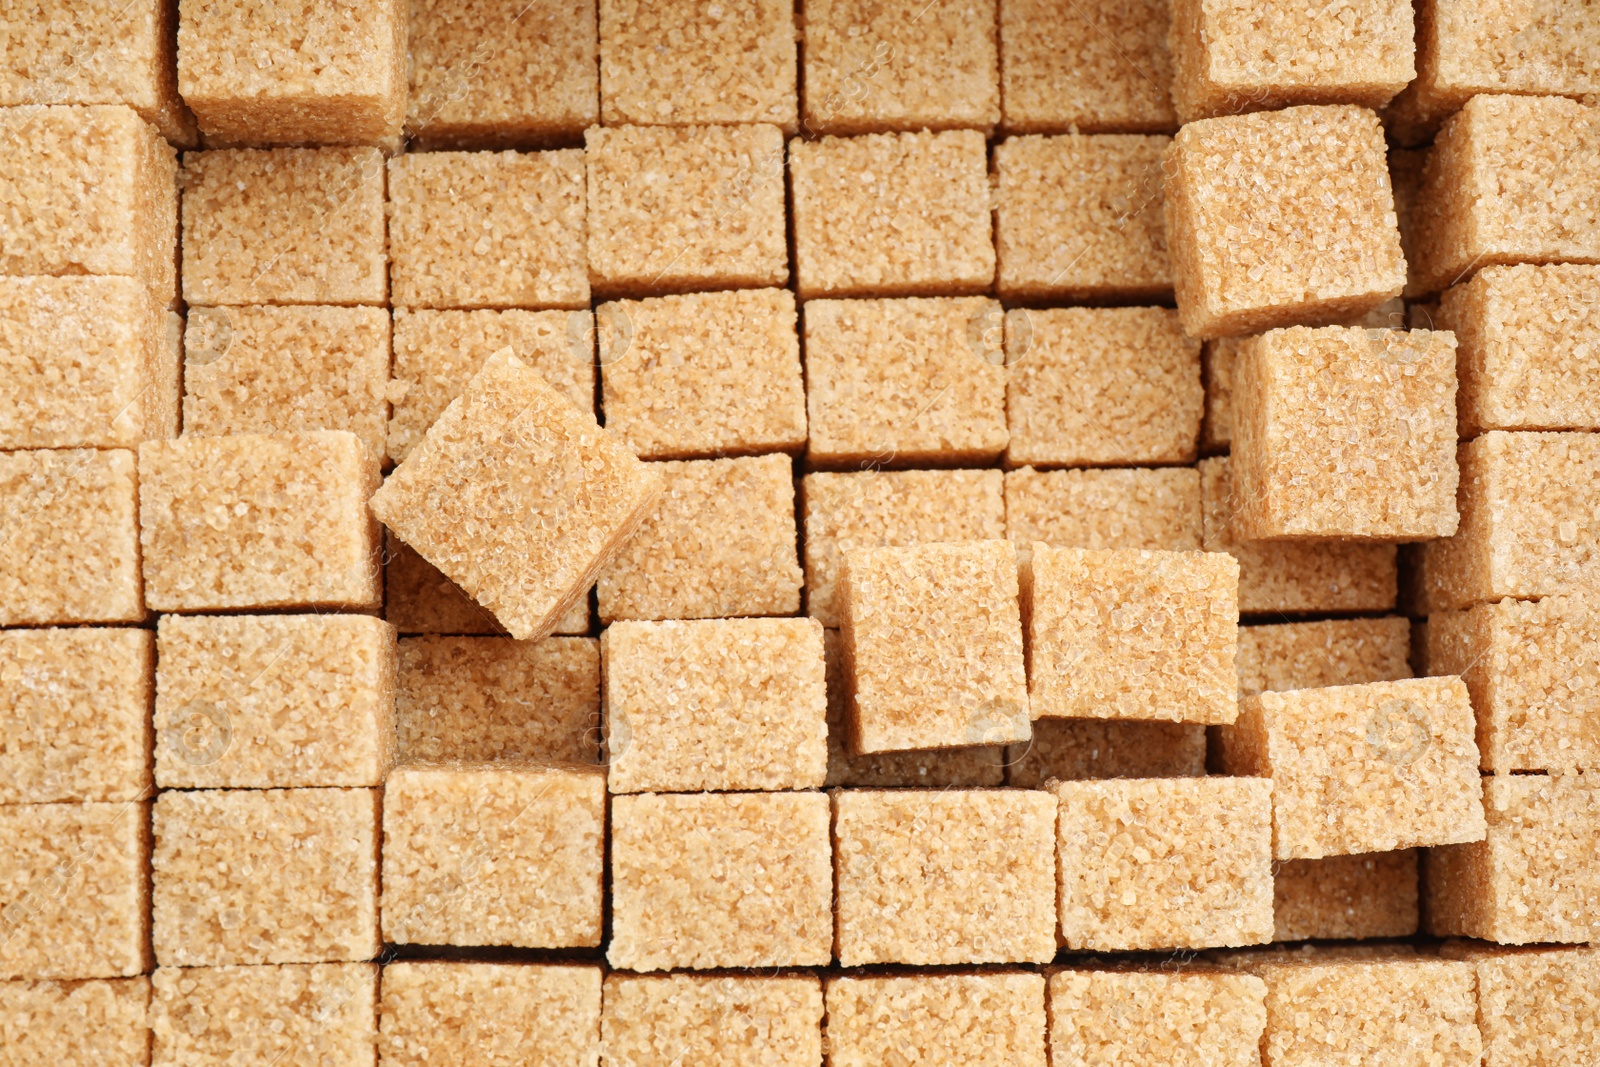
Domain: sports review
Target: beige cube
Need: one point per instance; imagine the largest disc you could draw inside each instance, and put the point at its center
(75, 1024)
(1184, 1017)
(942, 877)
(1156, 508)
(290, 1015)
(490, 1014)
(1343, 897)
(660, 1020)
(1315, 655)
(982, 1019)
(1074, 749)
(1536, 1006)
(418, 599)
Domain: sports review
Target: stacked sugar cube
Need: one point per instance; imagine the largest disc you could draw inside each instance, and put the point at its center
(606, 532)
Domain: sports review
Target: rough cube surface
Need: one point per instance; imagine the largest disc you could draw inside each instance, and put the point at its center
(259, 521)
(1071, 749)
(420, 600)
(1315, 655)
(498, 1014)
(1185, 1018)
(955, 876)
(493, 854)
(715, 704)
(1157, 509)
(75, 1024)
(1357, 896)
(1536, 1006)
(1161, 863)
(719, 1021)
(720, 880)
(984, 1020)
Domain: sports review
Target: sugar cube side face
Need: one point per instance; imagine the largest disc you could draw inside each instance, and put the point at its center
(650, 1020)
(504, 1011)
(1104, 1016)
(1314, 655)
(1074, 749)
(937, 1018)
(1535, 1005)
(77, 1024)
(1342, 897)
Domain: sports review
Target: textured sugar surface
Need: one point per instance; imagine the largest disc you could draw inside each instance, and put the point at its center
(75, 1024)
(1074, 749)
(1315, 655)
(1342, 897)
(418, 599)
(1136, 1016)
(1100, 66)
(983, 1019)
(718, 1021)
(953, 876)
(504, 1013)
(1536, 1006)
(252, 876)
(1156, 509)
(1154, 863)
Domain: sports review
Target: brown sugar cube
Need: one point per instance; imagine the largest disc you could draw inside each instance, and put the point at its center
(75, 714)
(1528, 526)
(1072, 749)
(900, 65)
(1095, 67)
(719, 542)
(704, 374)
(291, 1015)
(904, 214)
(1529, 668)
(932, 768)
(1526, 354)
(73, 877)
(1464, 51)
(89, 190)
(517, 497)
(259, 521)
(1078, 218)
(1164, 863)
(491, 1014)
(1277, 576)
(1342, 432)
(1341, 897)
(1510, 179)
(245, 876)
(904, 382)
(1315, 655)
(538, 84)
(682, 208)
(1280, 217)
(287, 226)
(1092, 386)
(1226, 62)
(1536, 1006)
(336, 76)
(287, 370)
(1188, 1018)
(420, 600)
(683, 66)
(274, 701)
(874, 509)
(720, 880)
(1156, 509)
(505, 853)
(488, 229)
(951, 876)
(994, 1017)
(715, 704)
(84, 362)
(932, 636)
(436, 353)
(1362, 768)
(69, 537)
(1132, 634)
(722, 1020)
(1536, 877)
(75, 1024)
(478, 699)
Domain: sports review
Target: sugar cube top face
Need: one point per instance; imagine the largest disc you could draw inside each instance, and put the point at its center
(1092, 386)
(952, 876)
(71, 527)
(488, 229)
(1525, 354)
(265, 876)
(338, 75)
(503, 1013)
(652, 1021)
(1535, 1005)
(698, 64)
(718, 543)
(902, 214)
(77, 1024)
(79, 899)
(933, 638)
(1359, 896)
(1132, 634)
(685, 208)
(905, 382)
(704, 374)
(286, 370)
(1281, 217)
(1362, 768)
(287, 226)
(902, 65)
(1079, 218)
(715, 704)
(258, 521)
(1162, 863)
(1227, 59)
(945, 1019)
(516, 496)
(1131, 508)
(1073, 749)
(1114, 1016)
(1342, 432)
(720, 880)
(540, 83)
(1101, 67)
(1315, 655)
(493, 854)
